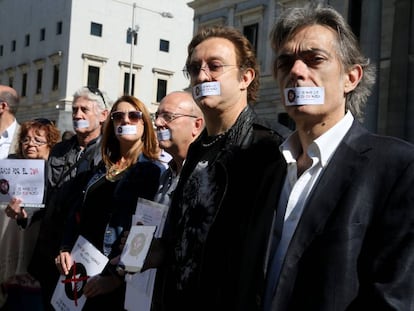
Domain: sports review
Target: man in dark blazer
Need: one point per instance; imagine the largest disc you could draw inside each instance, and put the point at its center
(344, 226)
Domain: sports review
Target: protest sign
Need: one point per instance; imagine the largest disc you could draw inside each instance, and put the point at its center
(87, 262)
(24, 179)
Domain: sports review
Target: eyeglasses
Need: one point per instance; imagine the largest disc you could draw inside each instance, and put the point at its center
(213, 69)
(133, 116)
(96, 91)
(44, 121)
(167, 117)
(35, 140)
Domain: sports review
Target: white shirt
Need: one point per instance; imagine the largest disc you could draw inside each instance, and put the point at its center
(6, 139)
(168, 183)
(295, 190)
(165, 158)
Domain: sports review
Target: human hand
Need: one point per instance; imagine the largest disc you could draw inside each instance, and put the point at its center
(14, 210)
(63, 262)
(155, 256)
(115, 261)
(99, 285)
(123, 240)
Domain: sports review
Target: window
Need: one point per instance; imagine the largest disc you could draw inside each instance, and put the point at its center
(24, 84)
(27, 40)
(42, 34)
(92, 66)
(161, 89)
(39, 81)
(55, 59)
(131, 34)
(59, 27)
(164, 45)
(1, 50)
(251, 32)
(93, 76)
(126, 84)
(161, 80)
(13, 46)
(96, 29)
(55, 83)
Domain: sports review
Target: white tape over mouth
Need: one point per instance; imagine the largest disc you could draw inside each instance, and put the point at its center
(163, 134)
(304, 95)
(126, 130)
(80, 124)
(206, 88)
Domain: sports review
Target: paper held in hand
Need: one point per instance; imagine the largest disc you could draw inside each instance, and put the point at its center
(23, 179)
(139, 286)
(87, 262)
(136, 248)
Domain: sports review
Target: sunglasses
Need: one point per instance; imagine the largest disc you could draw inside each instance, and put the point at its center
(133, 116)
(96, 91)
(212, 69)
(44, 121)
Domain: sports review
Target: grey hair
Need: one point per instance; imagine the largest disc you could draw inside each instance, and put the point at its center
(100, 97)
(11, 99)
(293, 19)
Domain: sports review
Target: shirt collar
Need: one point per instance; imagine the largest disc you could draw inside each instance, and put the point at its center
(323, 147)
(8, 133)
(291, 148)
(329, 141)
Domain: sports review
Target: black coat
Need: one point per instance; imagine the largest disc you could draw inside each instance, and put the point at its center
(114, 203)
(249, 151)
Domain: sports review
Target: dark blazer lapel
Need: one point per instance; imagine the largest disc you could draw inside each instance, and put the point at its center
(333, 183)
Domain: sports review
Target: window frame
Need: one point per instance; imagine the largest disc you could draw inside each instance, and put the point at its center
(164, 45)
(96, 29)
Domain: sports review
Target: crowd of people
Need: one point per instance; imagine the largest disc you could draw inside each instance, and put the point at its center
(260, 217)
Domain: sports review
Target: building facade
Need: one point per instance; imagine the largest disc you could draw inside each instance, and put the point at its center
(50, 48)
(386, 33)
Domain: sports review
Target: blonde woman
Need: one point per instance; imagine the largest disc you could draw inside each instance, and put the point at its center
(129, 169)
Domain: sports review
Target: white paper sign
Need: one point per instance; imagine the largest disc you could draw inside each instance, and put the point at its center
(87, 262)
(140, 286)
(24, 179)
(150, 213)
(136, 248)
(139, 290)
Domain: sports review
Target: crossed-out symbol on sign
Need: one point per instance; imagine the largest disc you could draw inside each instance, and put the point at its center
(72, 291)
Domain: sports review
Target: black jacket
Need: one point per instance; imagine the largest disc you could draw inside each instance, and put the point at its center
(249, 150)
(64, 164)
